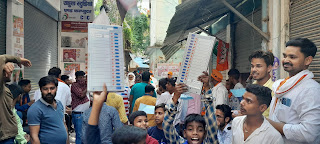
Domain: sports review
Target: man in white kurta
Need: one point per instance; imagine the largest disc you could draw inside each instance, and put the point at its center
(299, 109)
(295, 109)
(219, 93)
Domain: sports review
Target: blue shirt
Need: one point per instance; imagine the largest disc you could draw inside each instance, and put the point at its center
(158, 134)
(109, 121)
(23, 107)
(225, 136)
(92, 134)
(52, 129)
(138, 90)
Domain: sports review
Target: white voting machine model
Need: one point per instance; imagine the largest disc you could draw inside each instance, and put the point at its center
(105, 57)
(196, 59)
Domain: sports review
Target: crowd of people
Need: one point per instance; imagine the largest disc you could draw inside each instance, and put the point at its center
(154, 112)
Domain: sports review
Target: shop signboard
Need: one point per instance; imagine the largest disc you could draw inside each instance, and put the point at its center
(77, 10)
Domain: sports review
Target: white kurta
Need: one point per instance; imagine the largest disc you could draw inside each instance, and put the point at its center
(238, 86)
(299, 108)
(220, 95)
(164, 98)
(265, 134)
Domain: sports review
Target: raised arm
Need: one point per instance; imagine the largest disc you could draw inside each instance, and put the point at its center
(92, 131)
(212, 126)
(168, 127)
(7, 69)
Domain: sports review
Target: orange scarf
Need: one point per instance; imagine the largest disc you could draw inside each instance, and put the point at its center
(60, 80)
(281, 84)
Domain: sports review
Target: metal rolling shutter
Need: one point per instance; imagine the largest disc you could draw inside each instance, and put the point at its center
(304, 22)
(40, 43)
(247, 40)
(3, 26)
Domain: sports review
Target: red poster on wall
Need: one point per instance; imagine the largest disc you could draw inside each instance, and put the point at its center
(70, 26)
(18, 26)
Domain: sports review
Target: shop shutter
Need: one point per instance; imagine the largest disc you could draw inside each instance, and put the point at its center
(3, 26)
(40, 43)
(247, 40)
(305, 23)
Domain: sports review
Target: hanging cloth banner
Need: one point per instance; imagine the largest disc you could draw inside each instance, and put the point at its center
(222, 56)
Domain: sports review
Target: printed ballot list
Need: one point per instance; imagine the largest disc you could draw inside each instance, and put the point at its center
(196, 59)
(105, 57)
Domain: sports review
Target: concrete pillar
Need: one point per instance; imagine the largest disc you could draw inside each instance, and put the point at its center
(15, 34)
(15, 10)
(275, 35)
(284, 33)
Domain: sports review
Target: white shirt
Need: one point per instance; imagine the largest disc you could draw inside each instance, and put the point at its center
(302, 116)
(164, 98)
(265, 134)
(154, 82)
(238, 86)
(83, 107)
(225, 136)
(220, 94)
(63, 95)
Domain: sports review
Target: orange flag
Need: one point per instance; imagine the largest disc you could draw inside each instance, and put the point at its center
(222, 56)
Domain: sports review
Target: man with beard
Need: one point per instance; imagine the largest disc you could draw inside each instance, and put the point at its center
(8, 126)
(80, 103)
(261, 66)
(295, 109)
(253, 127)
(63, 92)
(223, 117)
(45, 117)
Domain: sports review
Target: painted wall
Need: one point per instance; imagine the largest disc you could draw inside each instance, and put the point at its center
(161, 13)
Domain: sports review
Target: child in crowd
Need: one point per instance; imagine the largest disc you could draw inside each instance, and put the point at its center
(195, 128)
(129, 135)
(23, 105)
(139, 119)
(148, 100)
(156, 131)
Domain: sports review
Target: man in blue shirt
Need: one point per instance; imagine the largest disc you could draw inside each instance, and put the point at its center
(24, 104)
(109, 121)
(223, 116)
(45, 117)
(138, 90)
